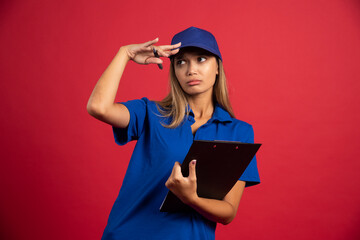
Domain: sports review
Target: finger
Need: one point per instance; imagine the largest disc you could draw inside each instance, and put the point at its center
(149, 43)
(192, 169)
(169, 53)
(162, 53)
(177, 170)
(170, 47)
(173, 170)
(167, 50)
(174, 167)
(153, 60)
(173, 52)
(149, 49)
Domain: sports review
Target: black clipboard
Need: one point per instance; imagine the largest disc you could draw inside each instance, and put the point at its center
(219, 165)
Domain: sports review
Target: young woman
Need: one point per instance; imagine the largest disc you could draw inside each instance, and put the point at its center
(197, 108)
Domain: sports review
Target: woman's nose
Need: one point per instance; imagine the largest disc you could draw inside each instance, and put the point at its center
(192, 68)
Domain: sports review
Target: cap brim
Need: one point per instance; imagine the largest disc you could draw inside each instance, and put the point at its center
(211, 50)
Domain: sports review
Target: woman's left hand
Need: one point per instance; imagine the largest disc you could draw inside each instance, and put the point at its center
(183, 187)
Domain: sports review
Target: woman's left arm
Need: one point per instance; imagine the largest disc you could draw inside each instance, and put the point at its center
(222, 211)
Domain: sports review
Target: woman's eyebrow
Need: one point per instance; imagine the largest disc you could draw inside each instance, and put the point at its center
(179, 57)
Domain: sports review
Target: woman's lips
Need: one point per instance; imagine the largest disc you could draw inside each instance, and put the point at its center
(193, 82)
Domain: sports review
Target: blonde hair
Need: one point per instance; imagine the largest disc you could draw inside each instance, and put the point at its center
(174, 105)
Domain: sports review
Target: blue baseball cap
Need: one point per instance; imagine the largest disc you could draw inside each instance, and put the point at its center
(196, 37)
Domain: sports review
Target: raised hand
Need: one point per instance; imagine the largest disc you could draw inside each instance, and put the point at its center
(143, 53)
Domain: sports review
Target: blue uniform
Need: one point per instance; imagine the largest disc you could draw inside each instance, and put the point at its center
(135, 214)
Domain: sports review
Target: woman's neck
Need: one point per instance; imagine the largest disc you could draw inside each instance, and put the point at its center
(202, 107)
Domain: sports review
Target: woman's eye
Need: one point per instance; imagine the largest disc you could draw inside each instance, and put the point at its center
(201, 59)
(180, 62)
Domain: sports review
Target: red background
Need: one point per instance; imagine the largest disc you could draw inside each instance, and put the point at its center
(293, 71)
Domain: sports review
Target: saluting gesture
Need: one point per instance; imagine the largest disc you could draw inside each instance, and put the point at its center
(144, 53)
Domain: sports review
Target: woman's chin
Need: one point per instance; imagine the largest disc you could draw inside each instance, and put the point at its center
(193, 92)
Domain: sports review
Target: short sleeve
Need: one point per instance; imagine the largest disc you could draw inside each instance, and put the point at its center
(137, 109)
(251, 173)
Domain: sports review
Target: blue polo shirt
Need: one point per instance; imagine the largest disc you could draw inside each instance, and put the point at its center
(135, 213)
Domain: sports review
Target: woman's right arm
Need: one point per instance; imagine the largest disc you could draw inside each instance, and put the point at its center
(101, 104)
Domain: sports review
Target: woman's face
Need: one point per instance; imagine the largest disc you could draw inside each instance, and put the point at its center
(196, 71)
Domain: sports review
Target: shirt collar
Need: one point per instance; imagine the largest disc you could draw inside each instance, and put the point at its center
(219, 115)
